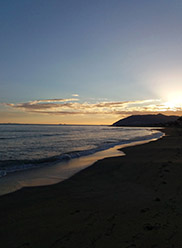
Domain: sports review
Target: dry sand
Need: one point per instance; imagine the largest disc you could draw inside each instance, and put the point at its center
(122, 202)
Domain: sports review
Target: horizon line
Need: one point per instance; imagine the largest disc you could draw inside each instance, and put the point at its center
(53, 124)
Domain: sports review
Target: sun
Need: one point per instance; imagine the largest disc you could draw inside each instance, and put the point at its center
(174, 102)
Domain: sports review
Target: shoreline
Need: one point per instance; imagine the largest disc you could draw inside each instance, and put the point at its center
(128, 201)
(59, 171)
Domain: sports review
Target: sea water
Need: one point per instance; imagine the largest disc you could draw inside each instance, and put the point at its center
(29, 146)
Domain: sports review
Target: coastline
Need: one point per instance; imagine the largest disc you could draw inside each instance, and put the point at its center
(125, 201)
(57, 172)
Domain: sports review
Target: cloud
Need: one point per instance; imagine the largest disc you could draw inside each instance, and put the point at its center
(54, 100)
(42, 104)
(71, 106)
(75, 95)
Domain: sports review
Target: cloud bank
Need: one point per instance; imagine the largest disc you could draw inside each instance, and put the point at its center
(72, 106)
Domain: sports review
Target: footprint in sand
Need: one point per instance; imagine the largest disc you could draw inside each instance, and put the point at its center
(144, 210)
(150, 227)
(157, 199)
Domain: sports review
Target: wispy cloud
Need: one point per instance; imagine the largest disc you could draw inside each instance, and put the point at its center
(75, 95)
(72, 106)
(54, 100)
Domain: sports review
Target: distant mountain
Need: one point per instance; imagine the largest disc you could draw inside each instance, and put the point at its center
(177, 123)
(146, 120)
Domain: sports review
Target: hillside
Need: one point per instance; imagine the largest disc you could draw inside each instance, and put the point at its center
(146, 120)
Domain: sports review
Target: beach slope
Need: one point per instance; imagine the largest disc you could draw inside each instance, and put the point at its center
(121, 202)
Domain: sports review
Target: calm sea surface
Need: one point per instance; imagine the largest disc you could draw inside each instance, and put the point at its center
(27, 146)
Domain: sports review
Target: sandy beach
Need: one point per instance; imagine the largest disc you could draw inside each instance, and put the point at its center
(121, 202)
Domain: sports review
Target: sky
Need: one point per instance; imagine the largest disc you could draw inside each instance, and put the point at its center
(89, 61)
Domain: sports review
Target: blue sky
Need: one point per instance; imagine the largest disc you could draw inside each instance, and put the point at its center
(103, 51)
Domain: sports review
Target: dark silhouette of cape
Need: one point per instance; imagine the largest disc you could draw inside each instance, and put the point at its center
(158, 120)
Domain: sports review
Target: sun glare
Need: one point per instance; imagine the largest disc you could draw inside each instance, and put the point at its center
(174, 102)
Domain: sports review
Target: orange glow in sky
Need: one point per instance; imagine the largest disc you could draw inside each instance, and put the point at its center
(75, 111)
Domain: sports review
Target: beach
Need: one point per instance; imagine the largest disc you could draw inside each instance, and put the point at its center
(126, 201)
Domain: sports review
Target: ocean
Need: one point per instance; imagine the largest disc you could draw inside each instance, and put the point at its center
(25, 147)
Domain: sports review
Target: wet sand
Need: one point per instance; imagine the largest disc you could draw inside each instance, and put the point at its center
(122, 202)
(57, 172)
